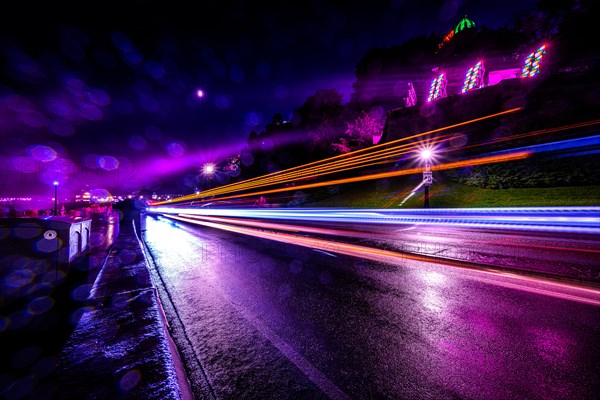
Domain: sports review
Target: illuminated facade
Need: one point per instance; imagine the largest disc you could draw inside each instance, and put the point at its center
(411, 99)
(474, 77)
(533, 62)
(463, 24)
(438, 88)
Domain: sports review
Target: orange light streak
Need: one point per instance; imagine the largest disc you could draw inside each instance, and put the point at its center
(378, 157)
(371, 148)
(440, 167)
(361, 234)
(279, 226)
(530, 134)
(265, 178)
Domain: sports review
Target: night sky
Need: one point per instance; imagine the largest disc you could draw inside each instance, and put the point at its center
(103, 93)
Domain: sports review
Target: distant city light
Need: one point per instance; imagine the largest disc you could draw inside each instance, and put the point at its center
(533, 62)
(438, 88)
(199, 93)
(474, 77)
(6, 199)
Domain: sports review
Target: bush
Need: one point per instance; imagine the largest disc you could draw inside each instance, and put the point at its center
(531, 173)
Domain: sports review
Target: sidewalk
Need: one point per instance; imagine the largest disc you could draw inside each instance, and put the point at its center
(120, 347)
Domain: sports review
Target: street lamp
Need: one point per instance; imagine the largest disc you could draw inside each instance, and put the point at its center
(208, 170)
(55, 198)
(426, 156)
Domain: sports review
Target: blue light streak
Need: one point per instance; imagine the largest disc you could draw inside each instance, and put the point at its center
(584, 220)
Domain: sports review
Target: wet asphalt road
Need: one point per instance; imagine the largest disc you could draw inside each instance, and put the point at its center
(259, 319)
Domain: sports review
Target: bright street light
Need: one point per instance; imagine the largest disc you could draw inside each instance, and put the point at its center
(209, 170)
(427, 156)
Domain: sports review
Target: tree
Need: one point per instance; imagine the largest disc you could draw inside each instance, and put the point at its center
(325, 104)
(364, 127)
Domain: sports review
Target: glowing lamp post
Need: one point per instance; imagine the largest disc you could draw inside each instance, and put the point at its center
(55, 197)
(208, 170)
(427, 175)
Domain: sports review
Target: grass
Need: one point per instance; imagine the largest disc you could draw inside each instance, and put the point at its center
(451, 195)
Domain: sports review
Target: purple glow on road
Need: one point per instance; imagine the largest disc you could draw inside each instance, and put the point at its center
(490, 275)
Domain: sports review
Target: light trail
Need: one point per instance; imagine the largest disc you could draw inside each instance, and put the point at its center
(585, 142)
(362, 159)
(438, 167)
(411, 194)
(590, 142)
(366, 232)
(266, 178)
(584, 220)
(528, 134)
(279, 226)
(496, 276)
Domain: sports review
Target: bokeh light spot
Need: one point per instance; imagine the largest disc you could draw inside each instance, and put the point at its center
(253, 118)
(153, 133)
(236, 73)
(98, 97)
(176, 149)
(90, 161)
(137, 142)
(246, 158)
(81, 292)
(154, 69)
(222, 102)
(18, 279)
(458, 140)
(121, 41)
(233, 169)
(267, 145)
(34, 119)
(130, 380)
(40, 305)
(42, 153)
(99, 195)
(61, 127)
(90, 112)
(282, 92)
(132, 58)
(108, 163)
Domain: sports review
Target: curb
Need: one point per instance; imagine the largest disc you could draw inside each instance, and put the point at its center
(182, 378)
(121, 347)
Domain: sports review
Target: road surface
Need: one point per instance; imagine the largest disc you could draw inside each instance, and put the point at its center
(259, 318)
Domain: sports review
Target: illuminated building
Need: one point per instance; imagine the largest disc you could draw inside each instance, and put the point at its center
(533, 62)
(438, 88)
(474, 77)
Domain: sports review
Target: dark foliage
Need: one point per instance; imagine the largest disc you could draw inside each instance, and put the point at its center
(534, 173)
